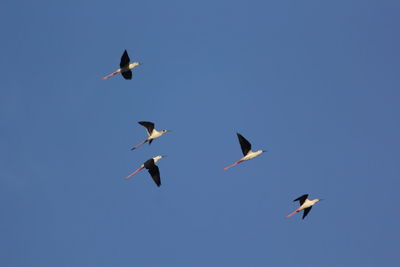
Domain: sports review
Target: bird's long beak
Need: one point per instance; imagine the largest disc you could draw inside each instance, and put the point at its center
(264, 150)
(164, 156)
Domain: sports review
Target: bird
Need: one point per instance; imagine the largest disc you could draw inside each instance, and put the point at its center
(125, 67)
(151, 166)
(153, 133)
(246, 149)
(305, 204)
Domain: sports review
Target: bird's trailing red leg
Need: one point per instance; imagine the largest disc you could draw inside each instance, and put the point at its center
(133, 173)
(138, 145)
(291, 214)
(237, 162)
(108, 76)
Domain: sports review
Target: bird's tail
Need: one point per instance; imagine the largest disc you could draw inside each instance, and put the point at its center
(237, 162)
(291, 214)
(133, 173)
(138, 145)
(108, 76)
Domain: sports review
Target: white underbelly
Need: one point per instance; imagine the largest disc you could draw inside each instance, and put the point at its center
(251, 155)
(155, 135)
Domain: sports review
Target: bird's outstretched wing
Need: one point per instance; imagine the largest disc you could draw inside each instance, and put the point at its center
(155, 174)
(244, 144)
(153, 170)
(149, 126)
(124, 60)
(127, 75)
(306, 211)
(301, 199)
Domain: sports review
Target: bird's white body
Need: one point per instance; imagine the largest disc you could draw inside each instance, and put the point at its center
(133, 65)
(155, 134)
(128, 67)
(251, 155)
(308, 203)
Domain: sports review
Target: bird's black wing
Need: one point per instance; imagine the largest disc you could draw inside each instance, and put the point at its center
(127, 74)
(306, 211)
(155, 174)
(153, 170)
(124, 60)
(301, 199)
(149, 164)
(244, 144)
(149, 126)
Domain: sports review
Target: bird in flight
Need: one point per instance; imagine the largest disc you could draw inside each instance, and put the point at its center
(246, 149)
(151, 166)
(152, 133)
(305, 204)
(125, 67)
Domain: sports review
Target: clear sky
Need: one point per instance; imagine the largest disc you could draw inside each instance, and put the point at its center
(314, 82)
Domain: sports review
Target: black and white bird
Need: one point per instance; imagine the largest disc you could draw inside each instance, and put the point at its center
(151, 166)
(246, 149)
(125, 67)
(152, 133)
(305, 204)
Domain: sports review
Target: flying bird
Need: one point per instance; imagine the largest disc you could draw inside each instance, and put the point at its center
(151, 166)
(152, 133)
(246, 149)
(125, 67)
(305, 205)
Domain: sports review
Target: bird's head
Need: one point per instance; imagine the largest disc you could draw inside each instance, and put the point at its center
(165, 131)
(157, 158)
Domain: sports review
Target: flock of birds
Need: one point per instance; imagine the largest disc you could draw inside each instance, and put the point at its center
(126, 71)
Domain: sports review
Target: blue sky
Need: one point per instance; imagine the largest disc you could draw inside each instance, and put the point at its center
(313, 82)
